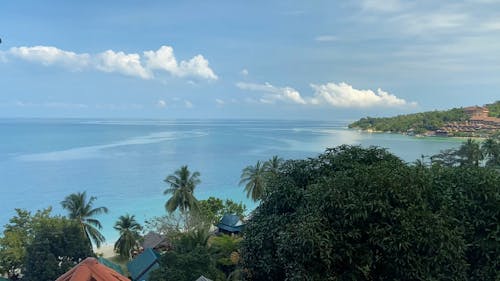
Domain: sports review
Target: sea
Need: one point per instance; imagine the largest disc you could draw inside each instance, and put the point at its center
(124, 162)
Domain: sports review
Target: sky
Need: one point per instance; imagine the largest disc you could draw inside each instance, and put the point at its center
(317, 60)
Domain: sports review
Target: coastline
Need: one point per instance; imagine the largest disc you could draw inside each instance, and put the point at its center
(371, 131)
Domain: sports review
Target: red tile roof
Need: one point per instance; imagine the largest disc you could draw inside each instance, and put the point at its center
(91, 270)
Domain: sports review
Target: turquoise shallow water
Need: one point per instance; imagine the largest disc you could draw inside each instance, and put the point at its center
(123, 162)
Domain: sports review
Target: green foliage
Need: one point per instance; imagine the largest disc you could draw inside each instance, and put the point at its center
(255, 178)
(129, 230)
(418, 122)
(58, 245)
(471, 153)
(16, 236)
(189, 260)
(494, 109)
(363, 214)
(82, 210)
(225, 251)
(179, 266)
(212, 209)
(182, 184)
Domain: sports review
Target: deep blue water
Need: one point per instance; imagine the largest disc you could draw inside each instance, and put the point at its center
(123, 162)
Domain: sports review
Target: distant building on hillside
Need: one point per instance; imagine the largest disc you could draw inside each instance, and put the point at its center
(476, 111)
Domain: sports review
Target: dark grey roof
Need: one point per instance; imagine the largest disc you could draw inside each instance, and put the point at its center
(153, 240)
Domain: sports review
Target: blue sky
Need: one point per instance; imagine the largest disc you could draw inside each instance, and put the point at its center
(246, 59)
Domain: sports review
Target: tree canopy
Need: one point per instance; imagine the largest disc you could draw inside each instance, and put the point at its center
(363, 214)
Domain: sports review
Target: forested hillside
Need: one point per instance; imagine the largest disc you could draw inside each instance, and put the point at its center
(419, 123)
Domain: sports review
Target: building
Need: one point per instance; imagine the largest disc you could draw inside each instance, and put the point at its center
(91, 270)
(230, 224)
(140, 267)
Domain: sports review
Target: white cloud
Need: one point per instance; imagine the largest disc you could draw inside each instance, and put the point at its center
(47, 55)
(220, 102)
(344, 95)
(326, 38)
(274, 94)
(188, 104)
(336, 95)
(116, 61)
(164, 59)
(244, 72)
(385, 6)
(127, 64)
(161, 104)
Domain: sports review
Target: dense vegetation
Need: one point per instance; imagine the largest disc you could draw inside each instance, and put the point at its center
(348, 214)
(418, 122)
(363, 214)
(494, 109)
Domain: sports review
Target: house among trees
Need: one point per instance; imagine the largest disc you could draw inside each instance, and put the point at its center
(140, 267)
(157, 242)
(230, 224)
(91, 270)
(203, 278)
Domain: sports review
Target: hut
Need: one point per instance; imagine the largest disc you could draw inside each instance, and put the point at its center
(91, 270)
(230, 224)
(140, 267)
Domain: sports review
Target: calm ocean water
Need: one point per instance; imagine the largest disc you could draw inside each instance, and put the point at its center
(124, 162)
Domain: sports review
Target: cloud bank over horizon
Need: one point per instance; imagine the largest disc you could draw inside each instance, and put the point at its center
(149, 65)
(333, 94)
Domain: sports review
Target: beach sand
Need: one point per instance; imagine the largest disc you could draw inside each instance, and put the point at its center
(106, 251)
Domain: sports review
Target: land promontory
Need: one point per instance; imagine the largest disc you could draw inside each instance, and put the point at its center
(471, 121)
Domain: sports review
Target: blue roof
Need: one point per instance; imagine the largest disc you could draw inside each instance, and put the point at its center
(143, 264)
(230, 223)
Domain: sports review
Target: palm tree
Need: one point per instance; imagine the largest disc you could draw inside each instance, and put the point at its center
(182, 184)
(491, 149)
(129, 234)
(81, 210)
(254, 179)
(470, 153)
(272, 165)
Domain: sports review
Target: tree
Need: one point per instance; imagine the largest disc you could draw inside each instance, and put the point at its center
(491, 151)
(57, 246)
(254, 179)
(129, 229)
(272, 165)
(16, 236)
(189, 260)
(212, 209)
(81, 210)
(363, 214)
(470, 153)
(182, 184)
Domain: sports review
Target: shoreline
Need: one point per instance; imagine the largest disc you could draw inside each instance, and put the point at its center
(106, 251)
(371, 131)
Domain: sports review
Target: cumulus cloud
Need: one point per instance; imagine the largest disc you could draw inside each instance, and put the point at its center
(244, 72)
(47, 55)
(127, 64)
(164, 59)
(110, 61)
(273, 93)
(220, 102)
(344, 95)
(336, 95)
